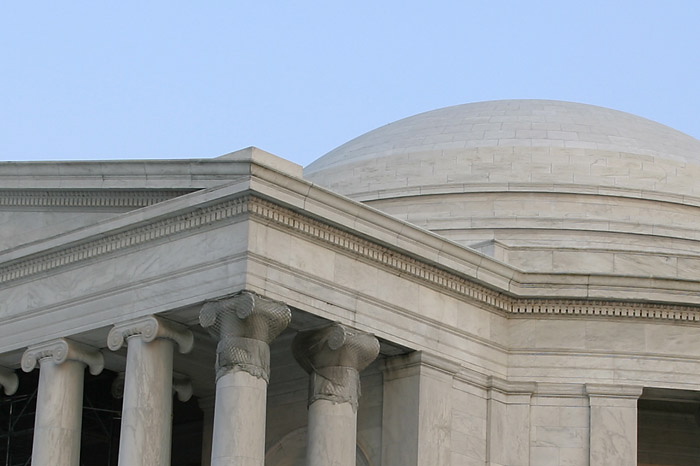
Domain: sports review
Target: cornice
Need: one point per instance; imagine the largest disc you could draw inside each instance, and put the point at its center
(509, 387)
(192, 174)
(87, 198)
(614, 391)
(427, 272)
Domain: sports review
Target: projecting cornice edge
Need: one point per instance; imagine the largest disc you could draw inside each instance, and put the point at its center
(188, 174)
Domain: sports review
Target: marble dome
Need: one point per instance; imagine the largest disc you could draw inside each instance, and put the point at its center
(480, 141)
(533, 181)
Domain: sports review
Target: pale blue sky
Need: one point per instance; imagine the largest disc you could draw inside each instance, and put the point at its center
(173, 79)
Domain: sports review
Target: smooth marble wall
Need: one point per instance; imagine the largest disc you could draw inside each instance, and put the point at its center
(571, 349)
(560, 429)
(469, 431)
(417, 414)
(509, 429)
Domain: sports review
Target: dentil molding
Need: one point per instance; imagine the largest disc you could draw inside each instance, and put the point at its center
(127, 198)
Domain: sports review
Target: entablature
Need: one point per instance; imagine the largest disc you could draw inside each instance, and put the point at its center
(332, 221)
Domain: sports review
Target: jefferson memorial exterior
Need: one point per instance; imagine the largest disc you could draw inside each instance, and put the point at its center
(508, 283)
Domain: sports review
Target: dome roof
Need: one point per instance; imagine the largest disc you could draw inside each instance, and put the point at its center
(554, 186)
(545, 135)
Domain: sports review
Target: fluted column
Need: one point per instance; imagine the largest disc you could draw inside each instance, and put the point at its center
(334, 357)
(8, 381)
(59, 400)
(146, 427)
(244, 325)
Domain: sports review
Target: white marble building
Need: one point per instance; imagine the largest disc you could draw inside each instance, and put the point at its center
(508, 283)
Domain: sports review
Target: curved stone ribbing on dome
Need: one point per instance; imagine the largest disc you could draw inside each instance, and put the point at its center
(543, 185)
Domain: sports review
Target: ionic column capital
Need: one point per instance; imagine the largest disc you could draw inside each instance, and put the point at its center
(60, 351)
(334, 356)
(149, 329)
(244, 325)
(8, 380)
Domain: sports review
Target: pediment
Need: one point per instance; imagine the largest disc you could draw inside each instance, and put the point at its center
(40, 200)
(29, 215)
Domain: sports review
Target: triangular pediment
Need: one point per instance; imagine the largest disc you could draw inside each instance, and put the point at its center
(29, 215)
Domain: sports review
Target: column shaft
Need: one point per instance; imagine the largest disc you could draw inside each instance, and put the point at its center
(147, 410)
(332, 434)
(58, 420)
(239, 420)
(146, 429)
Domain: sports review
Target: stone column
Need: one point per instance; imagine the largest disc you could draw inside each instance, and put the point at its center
(334, 357)
(206, 404)
(613, 424)
(8, 381)
(146, 427)
(59, 399)
(244, 325)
